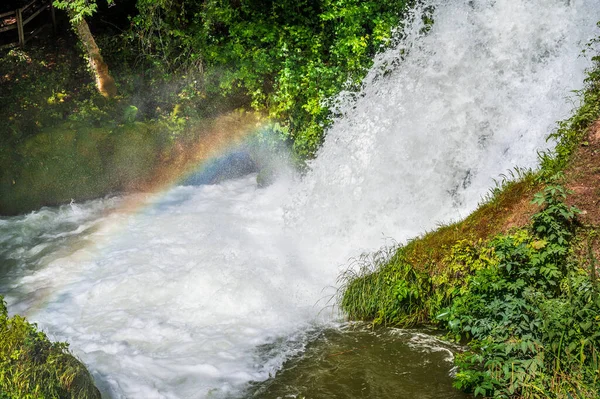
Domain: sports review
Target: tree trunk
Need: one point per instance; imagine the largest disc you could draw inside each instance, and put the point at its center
(104, 82)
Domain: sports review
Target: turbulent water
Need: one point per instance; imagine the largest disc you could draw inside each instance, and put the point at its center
(177, 295)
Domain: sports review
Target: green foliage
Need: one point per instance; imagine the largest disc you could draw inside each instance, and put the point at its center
(394, 294)
(502, 309)
(287, 57)
(33, 367)
(43, 87)
(78, 9)
(388, 288)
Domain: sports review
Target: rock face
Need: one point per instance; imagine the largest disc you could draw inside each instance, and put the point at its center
(80, 162)
(230, 166)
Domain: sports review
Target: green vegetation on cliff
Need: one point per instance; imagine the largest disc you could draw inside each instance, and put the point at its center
(288, 58)
(32, 367)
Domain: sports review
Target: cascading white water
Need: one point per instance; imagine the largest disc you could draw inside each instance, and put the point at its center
(211, 287)
(472, 99)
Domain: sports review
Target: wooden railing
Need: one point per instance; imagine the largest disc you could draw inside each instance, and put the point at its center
(19, 18)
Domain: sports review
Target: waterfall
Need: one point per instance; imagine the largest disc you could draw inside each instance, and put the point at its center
(205, 288)
(444, 113)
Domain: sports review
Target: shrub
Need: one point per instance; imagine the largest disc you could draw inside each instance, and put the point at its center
(33, 367)
(529, 309)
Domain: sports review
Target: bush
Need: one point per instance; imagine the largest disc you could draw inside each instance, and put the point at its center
(33, 367)
(529, 309)
(289, 58)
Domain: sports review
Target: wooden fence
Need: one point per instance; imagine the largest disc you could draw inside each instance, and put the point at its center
(18, 19)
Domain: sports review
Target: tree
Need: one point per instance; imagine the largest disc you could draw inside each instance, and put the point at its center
(78, 10)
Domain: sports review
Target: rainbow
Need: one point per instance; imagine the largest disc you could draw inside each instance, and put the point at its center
(218, 137)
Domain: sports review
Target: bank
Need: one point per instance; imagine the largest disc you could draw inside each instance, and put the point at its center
(517, 279)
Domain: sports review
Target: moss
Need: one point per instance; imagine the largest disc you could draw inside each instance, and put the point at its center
(31, 366)
(72, 161)
(77, 161)
(135, 152)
